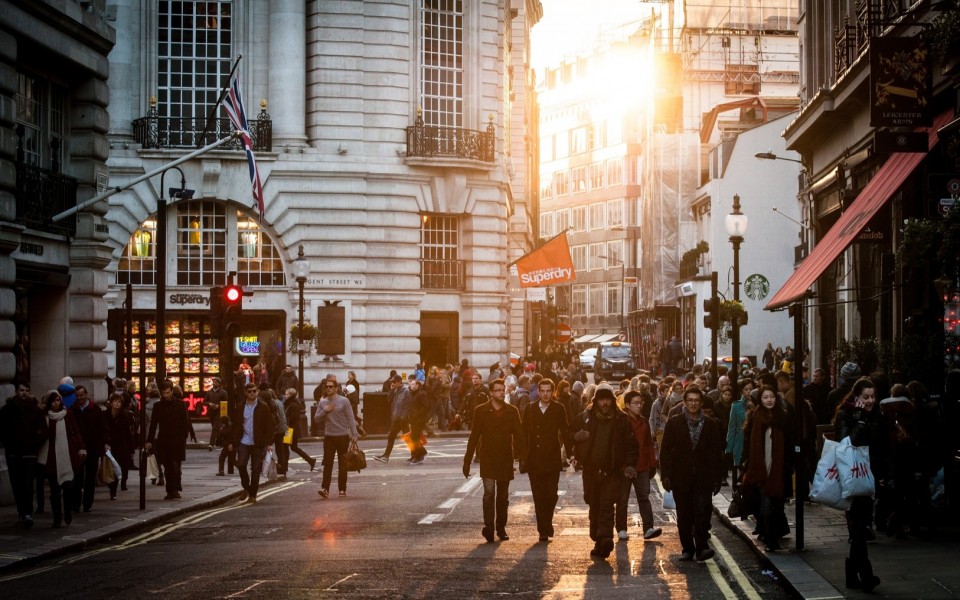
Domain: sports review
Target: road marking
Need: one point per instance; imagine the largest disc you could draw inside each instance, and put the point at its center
(742, 580)
(469, 486)
(333, 587)
(450, 503)
(250, 587)
(432, 518)
(29, 573)
(176, 585)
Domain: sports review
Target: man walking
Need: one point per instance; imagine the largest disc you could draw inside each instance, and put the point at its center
(23, 430)
(253, 433)
(546, 429)
(645, 465)
(340, 429)
(170, 443)
(399, 396)
(606, 448)
(96, 439)
(213, 399)
(419, 415)
(691, 466)
(497, 426)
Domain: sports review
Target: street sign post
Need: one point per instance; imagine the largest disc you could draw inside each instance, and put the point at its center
(563, 333)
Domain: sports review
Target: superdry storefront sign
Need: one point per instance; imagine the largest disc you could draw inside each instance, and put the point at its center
(188, 300)
(550, 264)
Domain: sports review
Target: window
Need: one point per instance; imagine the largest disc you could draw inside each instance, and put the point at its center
(613, 299)
(579, 218)
(615, 171)
(546, 150)
(206, 237)
(579, 301)
(546, 189)
(615, 213)
(40, 123)
(561, 181)
(440, 264)
(598, 215)
(561, 145)
(441, 62)
(579, 175)
(546, 224)
(596, 176)
(194, 57)
(579, 256)
(563, 219)
(598, 304)
(596, 251)
(578, 140)
(614, 253)
(595, 136)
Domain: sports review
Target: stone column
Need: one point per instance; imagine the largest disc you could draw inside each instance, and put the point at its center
(126, 97)
(9, 231)
(286, 93)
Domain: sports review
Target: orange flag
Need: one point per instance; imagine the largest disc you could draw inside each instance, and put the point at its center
(550, 264)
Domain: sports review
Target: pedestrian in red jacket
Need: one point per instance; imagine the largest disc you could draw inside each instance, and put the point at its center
(646, 466)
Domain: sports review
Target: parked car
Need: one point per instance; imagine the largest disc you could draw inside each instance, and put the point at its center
(727, 361)
(615, 361)
(587, 358)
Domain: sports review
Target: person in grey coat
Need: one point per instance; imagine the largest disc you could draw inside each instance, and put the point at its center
(399, 415)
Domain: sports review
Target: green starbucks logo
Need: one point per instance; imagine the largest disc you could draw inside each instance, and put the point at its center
(757, 287)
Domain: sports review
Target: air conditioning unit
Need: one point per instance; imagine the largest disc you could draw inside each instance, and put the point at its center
(686, 289)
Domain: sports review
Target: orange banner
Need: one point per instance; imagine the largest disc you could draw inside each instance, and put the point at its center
(549, 264)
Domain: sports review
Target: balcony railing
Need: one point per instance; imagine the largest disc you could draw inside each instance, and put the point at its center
(154, 131)
(428, 141)
(438, 274)
(41, 194)
(852, 40)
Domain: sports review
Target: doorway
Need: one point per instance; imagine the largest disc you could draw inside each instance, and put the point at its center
(439, 338)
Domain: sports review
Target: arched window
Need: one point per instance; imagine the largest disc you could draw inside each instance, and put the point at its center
(209, 239)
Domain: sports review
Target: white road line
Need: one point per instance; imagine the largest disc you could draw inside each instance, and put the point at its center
(450, 503)
(332, 588)
(739, 575)
(470, 485)
(249, 587)
(432, 518)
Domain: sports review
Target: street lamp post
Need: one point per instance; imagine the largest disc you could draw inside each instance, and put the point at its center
(736, 223)
(301, 268)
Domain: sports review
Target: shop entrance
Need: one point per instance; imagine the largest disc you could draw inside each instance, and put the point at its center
(439, 338)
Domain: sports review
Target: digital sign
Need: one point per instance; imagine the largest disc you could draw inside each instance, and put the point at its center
(247, 345)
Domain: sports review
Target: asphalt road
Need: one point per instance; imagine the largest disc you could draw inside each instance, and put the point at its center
(402, 532)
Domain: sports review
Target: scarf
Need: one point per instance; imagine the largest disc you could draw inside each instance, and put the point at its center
(765, 467)
(61, 447)
(695, 426)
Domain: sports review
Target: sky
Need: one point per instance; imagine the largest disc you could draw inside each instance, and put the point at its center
(569, 27)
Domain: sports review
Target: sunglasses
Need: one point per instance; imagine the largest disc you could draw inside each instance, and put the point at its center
(330, 385)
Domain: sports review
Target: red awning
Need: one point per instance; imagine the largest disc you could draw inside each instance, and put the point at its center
(881, 187)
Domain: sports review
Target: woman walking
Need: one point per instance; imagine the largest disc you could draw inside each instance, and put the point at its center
(62, 453)
(120, 426)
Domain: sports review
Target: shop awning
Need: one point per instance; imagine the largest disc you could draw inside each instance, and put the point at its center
(583, 339)
(604, 338)
(881, 187)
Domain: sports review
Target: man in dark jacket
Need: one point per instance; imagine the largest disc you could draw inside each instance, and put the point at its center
(96, 439)
(497, 426)
(419, 415)
(691, 466)
(546, 429)
(607, 449)
(23, 430)
(170, 443)
(399, 415)
(817, 393)
(253, 433)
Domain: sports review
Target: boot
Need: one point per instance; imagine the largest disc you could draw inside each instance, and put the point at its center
(853, 580)
(868, 580)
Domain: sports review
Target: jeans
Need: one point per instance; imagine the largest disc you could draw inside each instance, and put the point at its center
(335, 444)
(397, 427)
(496, 498)
(544, 485)
(641, 485)
(252, 455)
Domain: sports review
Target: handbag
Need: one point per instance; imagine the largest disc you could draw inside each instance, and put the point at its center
(105, 474)
(856, 478)
(745, 502)
(269, 469)
(355, 459)
(826, 487)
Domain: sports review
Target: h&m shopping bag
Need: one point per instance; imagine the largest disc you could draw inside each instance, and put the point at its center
(826, 488)
(853, 462)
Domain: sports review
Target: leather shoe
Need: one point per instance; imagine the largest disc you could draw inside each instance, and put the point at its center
(503, 536)
(544, 538)
(487, 534)
(705, 554)
(686, 557)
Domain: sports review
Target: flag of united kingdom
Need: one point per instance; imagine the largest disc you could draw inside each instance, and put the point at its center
(233, 103)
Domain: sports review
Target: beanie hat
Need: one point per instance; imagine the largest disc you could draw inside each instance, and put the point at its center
(604, 391)
(850, 371)
(68, 394)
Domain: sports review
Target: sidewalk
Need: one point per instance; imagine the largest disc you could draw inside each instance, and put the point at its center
(919, 567)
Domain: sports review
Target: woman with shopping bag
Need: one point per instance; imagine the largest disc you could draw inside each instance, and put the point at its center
(859, 418)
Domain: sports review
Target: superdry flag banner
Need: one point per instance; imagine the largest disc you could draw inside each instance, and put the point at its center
(550, 264)
(233, 103)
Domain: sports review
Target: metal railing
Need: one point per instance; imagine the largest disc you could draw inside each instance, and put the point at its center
(40, 195)
(428, 141)
(439, 274)
(154, 131)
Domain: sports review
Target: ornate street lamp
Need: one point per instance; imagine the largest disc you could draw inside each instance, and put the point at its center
(736, 223)
(301, 268)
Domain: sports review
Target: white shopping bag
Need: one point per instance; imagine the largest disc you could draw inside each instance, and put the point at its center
(826, 487)
(269, 471)
(853, 462)
(668, 502)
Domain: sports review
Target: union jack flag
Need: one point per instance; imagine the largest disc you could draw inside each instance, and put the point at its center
(233, 103)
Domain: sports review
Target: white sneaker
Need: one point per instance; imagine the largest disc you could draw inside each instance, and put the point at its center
(623, 535)
(651, 533)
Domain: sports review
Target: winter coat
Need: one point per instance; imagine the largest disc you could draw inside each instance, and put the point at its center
(624, 449)
(738, 417)
(93, 427)
(646, 457)
(23, 427)
(170, 417)
(122, 443)
(502, 438)
(865, 428)
(690, 469)
(263, 428)
(545, 433)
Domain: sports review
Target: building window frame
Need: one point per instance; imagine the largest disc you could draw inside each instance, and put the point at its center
(442, 62)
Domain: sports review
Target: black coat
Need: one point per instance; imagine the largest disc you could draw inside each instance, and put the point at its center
(121, 435)
(545, 433)
(263, 428)
(170, 417)
(501, 437)
(690, 469)
(624, 447)
(23, 427)
(93, 428)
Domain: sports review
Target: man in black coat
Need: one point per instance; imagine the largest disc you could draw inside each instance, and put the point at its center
(607, 449)
(253, 433)
(546, 429)
(170, 443)
(691, 466)
(23, 430)
(96, 439)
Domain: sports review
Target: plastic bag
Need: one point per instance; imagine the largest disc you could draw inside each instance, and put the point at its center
(153, 468)
(117, 472)
(853, 463)
(105, 474)
(668, 501)
(826, 488)
(269, 470)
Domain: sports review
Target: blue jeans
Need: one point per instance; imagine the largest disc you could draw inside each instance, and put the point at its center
(252, 455)
(640, 484)
(496, 498)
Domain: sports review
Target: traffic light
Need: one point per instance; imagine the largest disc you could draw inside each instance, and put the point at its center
(232, 300)
(216, 311)
(711, 313)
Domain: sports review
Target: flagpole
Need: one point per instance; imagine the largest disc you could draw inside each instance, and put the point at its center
(223, 92)
(564, 232)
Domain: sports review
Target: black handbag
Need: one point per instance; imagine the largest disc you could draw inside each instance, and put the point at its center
(745, 502)
(355, 459)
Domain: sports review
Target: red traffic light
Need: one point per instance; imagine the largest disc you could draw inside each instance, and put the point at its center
(233, 294)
